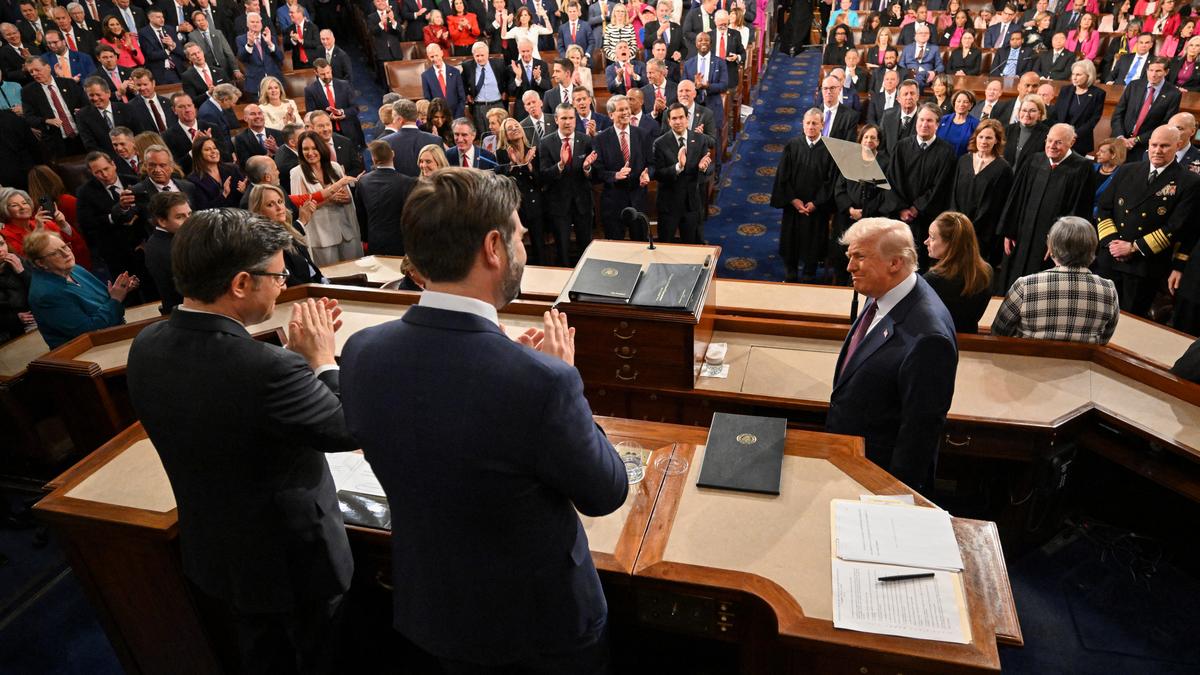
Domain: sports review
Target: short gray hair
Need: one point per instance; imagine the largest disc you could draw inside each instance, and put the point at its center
(1072, 242)
(405, 109)
(257, 167)
(613, 100)
(893, 238)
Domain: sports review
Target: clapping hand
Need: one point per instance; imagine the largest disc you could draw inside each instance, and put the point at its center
(14, 261)
(591, 127)
(306, 210)
(682, 158)
(705, 162)
(644, 179)
(555, 339)
(624, 172)
(117, 290)
(311, 329)
(587, 161)
(564, 157)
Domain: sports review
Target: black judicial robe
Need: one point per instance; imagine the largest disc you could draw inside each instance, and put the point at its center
(1039, 197)
(920, 178)
(847, 195)
(980, 196)
(806, 174)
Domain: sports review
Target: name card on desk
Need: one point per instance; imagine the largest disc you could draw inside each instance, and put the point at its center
(744, 452)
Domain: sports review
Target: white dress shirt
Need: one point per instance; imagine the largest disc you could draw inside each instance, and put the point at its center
(459, 303)
(892, 298)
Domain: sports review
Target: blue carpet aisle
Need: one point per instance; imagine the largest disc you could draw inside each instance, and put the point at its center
(742, 222)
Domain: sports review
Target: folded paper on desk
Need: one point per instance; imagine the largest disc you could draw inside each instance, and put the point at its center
(744, 453)
(894, 534)
(352, 473)
(606, 281)
(671, 286)
(926, 609)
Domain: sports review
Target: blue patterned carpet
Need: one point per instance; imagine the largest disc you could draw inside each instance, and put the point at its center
(742, 222)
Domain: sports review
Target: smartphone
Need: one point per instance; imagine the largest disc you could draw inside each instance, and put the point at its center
(47, 204)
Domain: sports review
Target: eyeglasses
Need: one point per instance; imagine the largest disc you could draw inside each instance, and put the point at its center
(63, 251)
(280, 277)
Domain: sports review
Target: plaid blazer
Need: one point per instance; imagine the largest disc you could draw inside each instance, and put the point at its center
(1064, 303)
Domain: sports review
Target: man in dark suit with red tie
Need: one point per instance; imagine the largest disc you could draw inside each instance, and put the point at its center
(342, 111)
(465, 153)
(565, 166)
(1144, 105)
(51, 105)
(153, 111)
(443, 81)
(682, 160)
(624, 159)
(895, 374)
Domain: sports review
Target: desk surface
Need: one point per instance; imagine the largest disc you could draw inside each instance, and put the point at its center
(773, 548)
(16, 354)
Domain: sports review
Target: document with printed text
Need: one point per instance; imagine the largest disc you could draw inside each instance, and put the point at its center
(932, 608)
(894, 534)
(351, 472)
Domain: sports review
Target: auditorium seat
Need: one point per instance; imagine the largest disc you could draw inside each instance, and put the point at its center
(404, 77)
(295, 82)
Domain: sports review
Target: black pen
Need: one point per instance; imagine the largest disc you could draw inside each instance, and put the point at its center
(906, 577)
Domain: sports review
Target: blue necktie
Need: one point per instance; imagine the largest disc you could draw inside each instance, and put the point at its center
(1133, 68)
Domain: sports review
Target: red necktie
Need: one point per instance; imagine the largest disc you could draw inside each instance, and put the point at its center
(625, 145)
(192, 134)
(115, 76)
(1145, 110)
(71, 42)
(464, 160)
(60, 111)
(300, 43)
(207, 78)
(133, 163)
(329, 93)
(158, 118)
(572, 31)
(441, 81)
(721, 45)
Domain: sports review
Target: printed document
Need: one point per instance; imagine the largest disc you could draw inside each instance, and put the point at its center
(894, 534)
(351, 472)
(926, 609)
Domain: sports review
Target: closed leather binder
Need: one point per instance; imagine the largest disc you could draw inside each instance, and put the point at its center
(668, 286)
(605, 281)
(744, 452)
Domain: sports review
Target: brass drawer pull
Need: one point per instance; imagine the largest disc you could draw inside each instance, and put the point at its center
(617, 334)
(958, 444)
(625, 352)
(626, 369)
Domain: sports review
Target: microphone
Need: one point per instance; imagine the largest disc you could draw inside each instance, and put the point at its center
(631, 216)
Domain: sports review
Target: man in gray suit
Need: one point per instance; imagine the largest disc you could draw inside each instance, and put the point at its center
(407, 140)
(260, 530)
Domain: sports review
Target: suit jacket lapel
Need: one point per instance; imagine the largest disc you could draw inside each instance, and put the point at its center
(870, 343)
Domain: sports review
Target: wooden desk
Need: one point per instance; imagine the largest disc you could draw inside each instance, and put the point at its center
(765, 587)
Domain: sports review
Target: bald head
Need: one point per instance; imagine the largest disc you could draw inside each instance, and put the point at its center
(1059, 140)
(1028, 83)
(831, 91)
(1185, 122)
(1164, 143)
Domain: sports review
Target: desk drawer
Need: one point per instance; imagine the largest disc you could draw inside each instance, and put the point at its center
(613, 350)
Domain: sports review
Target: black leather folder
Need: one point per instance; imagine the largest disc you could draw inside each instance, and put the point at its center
(744, 453)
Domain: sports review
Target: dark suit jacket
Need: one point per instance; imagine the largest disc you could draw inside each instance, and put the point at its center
(718, 82)
(679, 193)
(113, 231)
(286, 160)
(157, 56)
(195, 86)
(347, 155)
(1035, 144)
(669, 89)
(602, 122)
(339, 61)
(272, 538)
(616, 81)
(587, 40)
(1188, 365)
(545, 460)
(379, 198)
(548, 127)
(1121, 68)
(310, 41)
(257, 67)
(693, 25)
(1055, 69)
(13, 64)
(845, 124)
(456, 93)
(610, 159)
(875, 107)
(568, 190)
(93, 130)
(38, 108)
(221, 56)
(483, 159)
(387, 39)
(550, 100)
(890, 125)
(158, 262)
(406, 144)
(649, 125)
(246, 144)
(147, 187)
(214, 116)
(734, 46)
(517, 89)
(674, 39)
(896, 388)
(1026, 60)
(1084, 118)
(1124, 116)
(141, 112)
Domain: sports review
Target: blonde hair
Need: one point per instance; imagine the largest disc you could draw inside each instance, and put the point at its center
(263, 86)
(893, 238)
(258, 195)
(40, 242)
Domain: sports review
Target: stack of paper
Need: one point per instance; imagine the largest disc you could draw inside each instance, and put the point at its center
(882, 538)
(352, 472)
